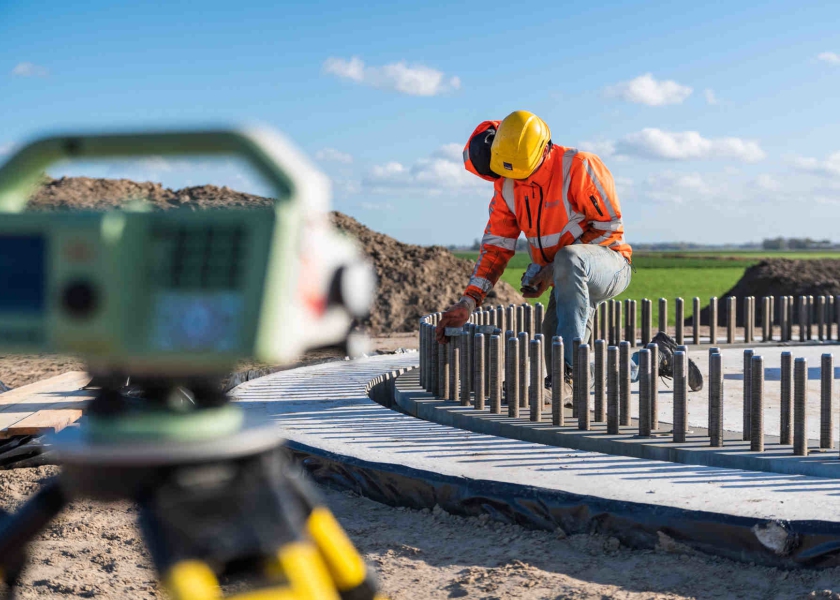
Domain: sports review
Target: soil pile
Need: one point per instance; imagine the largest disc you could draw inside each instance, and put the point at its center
(413, 280)
(779, 277)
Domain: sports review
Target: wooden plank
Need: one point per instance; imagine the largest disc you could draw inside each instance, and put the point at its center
(49, 397)
(44, 421)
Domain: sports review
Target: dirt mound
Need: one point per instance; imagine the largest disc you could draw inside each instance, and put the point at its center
(413, 280)
(779, 277)
(73, 193)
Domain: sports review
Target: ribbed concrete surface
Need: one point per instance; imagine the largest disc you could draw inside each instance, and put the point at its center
(326, 407)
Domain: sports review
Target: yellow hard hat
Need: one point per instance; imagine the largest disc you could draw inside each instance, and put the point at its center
(519, 144)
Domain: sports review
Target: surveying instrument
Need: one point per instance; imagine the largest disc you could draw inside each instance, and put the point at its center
(169, 301)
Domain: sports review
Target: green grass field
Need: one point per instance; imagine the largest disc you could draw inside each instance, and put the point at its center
(672, 274)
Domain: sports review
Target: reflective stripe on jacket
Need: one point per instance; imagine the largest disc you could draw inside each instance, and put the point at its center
(570, 199)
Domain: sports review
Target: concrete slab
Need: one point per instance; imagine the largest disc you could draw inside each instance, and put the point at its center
(326, 407)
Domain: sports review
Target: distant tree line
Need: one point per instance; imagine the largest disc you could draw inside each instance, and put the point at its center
(781, 243)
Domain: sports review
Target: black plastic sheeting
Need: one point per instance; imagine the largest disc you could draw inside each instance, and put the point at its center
(792, 544)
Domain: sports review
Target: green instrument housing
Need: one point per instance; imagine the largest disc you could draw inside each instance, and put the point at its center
(172, 292)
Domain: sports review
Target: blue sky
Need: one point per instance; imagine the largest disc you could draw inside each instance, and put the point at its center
(719, 121)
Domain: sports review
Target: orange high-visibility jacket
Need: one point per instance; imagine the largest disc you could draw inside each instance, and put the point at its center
(570, 199)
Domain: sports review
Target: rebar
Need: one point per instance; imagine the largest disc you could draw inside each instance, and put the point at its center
(582, 383)
(495, 375)
(524, 375)
(610, 322)
(716, 404)
(680, 397)
(512, 376)
(539, 316)
(837, 314)
(599, 399)
(631, 321)
(454, 367)
(618, 321)
(829, 318)
(767, 319)
(520, 319)
(730, 319)
(624, 383)
(757, 404)
(644, 392)
(713, 350)
(800, 413)
(596, 322)
(602, 318)
(713, 320)
(679, 324)
(748, 320)
(536, 395)
(647, 322)
(557, 377)
(747, 397)
(783, 319)
(810, 317)
(786, 400)
(663, 315)
(802, 317)
(443, 372)
(500, 318)
(695, 331)
(575, 345)
(529, 321)
(470, 351)
(826, 415)
(478, 381)
(612, 390)
(434, 377)
(821, 318)
(653, 390)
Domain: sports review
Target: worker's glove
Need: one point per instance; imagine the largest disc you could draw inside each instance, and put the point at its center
(539, 283)
(455, 316)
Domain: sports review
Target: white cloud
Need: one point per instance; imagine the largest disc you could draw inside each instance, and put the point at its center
(768, 183)
(414, 80)
(677, 188)
(685, 145)
(644, 89)
(441, 172)
(333, 155)
(28, 69)
(602, 148)
(831, 58)
(830, 166)
(709, 94)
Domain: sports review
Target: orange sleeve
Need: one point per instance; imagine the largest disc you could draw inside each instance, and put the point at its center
(497, 247)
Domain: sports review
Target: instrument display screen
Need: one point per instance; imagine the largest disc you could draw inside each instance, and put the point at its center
(22, 274)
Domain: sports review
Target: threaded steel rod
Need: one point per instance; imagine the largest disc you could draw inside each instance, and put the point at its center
(624, 383)
(747, 396)
(612, 390)
(696, 326)
(478, 382)
(646, 321)
(757, 404)
(557, 377)
(599, 399)
(786, 400)
(783, 319)
(767, 319)
(631, 321)
(618, 320)
(680, 397)
(663, 315)
(582, 384)
(535, 391)
(653, 390)
(803, 318)
(821, 318)
(495, 376)
(730, 319)
(644, 392)
(713, 320)
(679, 325)
(713, 350)
(716, 395)
(610, 321)
(826, 415)
(800, 413)
(454, 368)
(524, 372)
(434, 377)
(443, 372)
(512, 377)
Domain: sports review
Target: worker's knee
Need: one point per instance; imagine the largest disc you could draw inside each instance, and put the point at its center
(569, 264)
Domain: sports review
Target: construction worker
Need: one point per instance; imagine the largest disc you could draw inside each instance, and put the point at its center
(564, 201)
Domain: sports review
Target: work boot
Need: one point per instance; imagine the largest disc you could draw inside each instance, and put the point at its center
(667, 347)
(566, 393)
